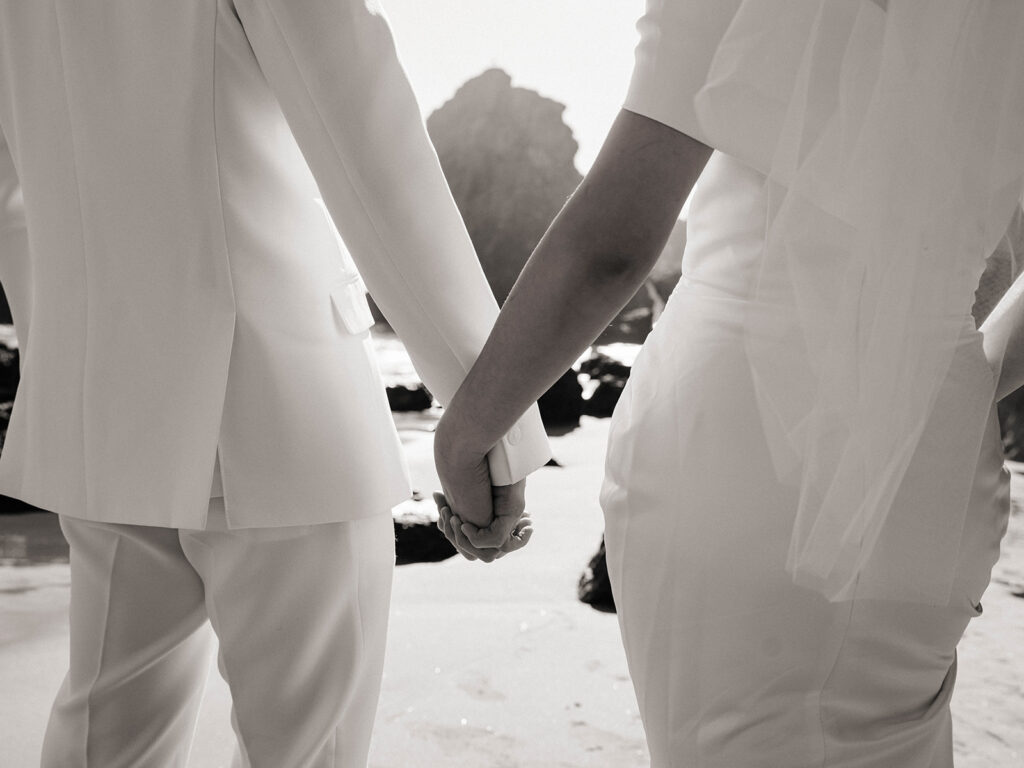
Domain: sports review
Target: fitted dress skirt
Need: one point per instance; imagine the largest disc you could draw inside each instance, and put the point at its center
(734, 665)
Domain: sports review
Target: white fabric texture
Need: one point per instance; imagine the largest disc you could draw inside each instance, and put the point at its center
(301, 615)
(888, 134)
(735, 665)
(161, 166)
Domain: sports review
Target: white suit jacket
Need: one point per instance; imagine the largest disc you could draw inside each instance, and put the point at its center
(179, 289)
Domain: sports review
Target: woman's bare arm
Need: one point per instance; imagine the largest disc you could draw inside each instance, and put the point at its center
(593, 258)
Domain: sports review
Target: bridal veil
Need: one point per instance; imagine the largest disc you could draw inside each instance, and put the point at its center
(891, 135)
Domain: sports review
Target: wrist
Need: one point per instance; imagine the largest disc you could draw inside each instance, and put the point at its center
(459, 436)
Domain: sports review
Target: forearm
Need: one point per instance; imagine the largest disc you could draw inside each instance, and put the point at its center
(593, 258)
(555, 311)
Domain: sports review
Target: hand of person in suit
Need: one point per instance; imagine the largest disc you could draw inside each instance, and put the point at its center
(461, 534)
(483, 521)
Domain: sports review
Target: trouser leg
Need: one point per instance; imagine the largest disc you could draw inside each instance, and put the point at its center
(140, 651)
(301, 614)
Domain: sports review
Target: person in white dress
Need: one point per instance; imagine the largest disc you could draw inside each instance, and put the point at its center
(804, 490)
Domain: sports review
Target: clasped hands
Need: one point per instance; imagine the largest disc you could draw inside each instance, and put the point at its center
(483, 521)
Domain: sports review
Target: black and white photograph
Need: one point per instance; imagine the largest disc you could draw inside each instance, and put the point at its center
(534, 384)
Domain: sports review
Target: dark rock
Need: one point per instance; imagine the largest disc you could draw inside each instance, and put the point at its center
(612, 376)
(5, 309)
(402, 398)
(417, 538)
(595, 588)
(509, 158)
(420, 543)
(601, 365)
(562, 404)
(601, 404)
(510, 162)
(5, 420)
(9, 368)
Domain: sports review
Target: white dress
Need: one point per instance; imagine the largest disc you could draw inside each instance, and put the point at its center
(734, 665)
(737, 658)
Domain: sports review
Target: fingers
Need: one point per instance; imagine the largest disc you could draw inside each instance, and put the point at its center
(509, 531)
(524, 537)
(509, 504)
(445, 525)
(466, 548)
(450, 525)
(494, 535)
(440, 501)
(520, 536)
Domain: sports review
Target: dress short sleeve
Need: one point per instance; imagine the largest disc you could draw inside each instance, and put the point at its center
(678, 41)
(721, 72)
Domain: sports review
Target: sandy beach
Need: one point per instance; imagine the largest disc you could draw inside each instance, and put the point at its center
(499, 665)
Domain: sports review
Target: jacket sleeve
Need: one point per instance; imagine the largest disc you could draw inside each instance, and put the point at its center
(333, 67)
(15, 269)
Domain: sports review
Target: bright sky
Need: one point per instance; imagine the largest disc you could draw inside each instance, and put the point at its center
(578, 52)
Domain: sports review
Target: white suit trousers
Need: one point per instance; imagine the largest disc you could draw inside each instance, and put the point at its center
(301, 615)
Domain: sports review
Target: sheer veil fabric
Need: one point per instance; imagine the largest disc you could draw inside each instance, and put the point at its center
(890, 134)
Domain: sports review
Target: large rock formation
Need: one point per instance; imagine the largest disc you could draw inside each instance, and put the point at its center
(509, 159)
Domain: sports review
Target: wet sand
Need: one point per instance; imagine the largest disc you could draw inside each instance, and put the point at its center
(499, 665)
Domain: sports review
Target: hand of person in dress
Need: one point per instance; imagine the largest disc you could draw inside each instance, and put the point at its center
(462, 535)
(483, 521)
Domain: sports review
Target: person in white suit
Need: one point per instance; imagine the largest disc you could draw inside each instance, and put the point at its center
(199, 400)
